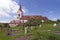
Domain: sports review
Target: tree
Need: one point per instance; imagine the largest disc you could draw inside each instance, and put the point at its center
(58, 20)
(33, 22)
(49, 22)
(0, 26)
(5, 25)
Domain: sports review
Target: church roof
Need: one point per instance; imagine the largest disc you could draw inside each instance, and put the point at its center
(15, 21)
(34, 16)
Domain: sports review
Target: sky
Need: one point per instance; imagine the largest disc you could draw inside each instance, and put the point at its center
(48, 8)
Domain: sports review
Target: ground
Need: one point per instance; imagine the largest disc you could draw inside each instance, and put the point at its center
(45, 32)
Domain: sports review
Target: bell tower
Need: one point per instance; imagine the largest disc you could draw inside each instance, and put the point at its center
(20, 13)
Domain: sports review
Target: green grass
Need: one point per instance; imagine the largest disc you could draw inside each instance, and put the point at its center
(38, 32)
(3, 35)
(41, 32)
(49, 27)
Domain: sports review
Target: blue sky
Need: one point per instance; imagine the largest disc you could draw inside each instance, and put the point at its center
(48, 8)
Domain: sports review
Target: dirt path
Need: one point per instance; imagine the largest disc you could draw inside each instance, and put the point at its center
(24, 38)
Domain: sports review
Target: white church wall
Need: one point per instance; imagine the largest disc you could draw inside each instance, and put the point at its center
(12, 25)
(24, 21)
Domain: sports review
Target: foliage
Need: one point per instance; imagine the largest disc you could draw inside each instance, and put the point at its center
(58, 20)
(0, 25)
(48, 22)
(37, 34)
(4, 25)
(52, 38)
(33, 22)
(43, 34)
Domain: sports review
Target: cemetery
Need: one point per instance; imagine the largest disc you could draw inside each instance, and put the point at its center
(45, 32)
(34, 27)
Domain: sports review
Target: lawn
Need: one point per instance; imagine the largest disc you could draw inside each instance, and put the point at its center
(38, 32)
(3, 35)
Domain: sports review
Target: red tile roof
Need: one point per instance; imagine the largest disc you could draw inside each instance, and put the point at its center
(28, 17)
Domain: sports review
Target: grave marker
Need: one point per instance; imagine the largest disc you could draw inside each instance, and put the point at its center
(40, 25)
(26, 30)
(31, 27)
(54, 24)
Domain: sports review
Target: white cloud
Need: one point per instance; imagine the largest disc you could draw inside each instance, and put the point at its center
(15, 17)
(25, 10)
(54, 19)
(4, 21)
(50, 12)
(51, 16)
(6, 7)
(9, 6)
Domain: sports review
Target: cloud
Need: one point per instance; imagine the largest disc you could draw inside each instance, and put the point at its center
(25, 10)
(4, 14)
(15, 17)
(7, 7)
(50, 12)
(54, 19)
(51, 16)
(4, 21)
(7, 10)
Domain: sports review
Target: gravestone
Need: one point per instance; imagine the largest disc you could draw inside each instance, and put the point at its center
(31, 27)
(54, 24)
(40, 25)
(42, 21)
(26, 30)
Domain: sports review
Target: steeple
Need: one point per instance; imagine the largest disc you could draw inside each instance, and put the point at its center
(20, 8)
(20, 12)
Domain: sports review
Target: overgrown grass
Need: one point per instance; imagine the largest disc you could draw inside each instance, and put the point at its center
(3, 35)
(38, 32)
(49, 27)
(42, 33)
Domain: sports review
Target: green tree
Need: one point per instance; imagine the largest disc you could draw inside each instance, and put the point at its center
(58, 20)
(0, 26)
(5, 25)
(33, 22)
(49, 22)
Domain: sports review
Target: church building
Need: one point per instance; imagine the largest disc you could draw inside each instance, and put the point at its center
(23, 19)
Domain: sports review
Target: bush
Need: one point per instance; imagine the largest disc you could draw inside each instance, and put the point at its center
(52, 38)
(0, 26)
